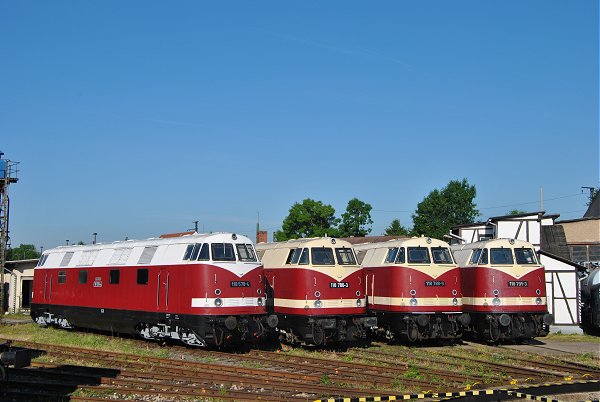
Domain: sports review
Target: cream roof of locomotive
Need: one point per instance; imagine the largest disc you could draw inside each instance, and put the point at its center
(305, 242)
(462, 252)
(405, 242)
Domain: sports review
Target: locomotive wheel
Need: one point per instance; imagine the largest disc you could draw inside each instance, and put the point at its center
(318, 335)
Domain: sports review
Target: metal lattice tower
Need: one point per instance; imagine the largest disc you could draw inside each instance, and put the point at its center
(8, 175)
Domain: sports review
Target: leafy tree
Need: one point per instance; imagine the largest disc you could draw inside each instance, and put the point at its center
(356, 219)
(516, 212)
(396, 229)
(443, 209)
(23, 252)
(309, 219)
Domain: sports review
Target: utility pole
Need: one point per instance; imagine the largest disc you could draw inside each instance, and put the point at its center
(8, 175)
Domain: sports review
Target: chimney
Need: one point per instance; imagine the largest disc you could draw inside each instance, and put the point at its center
(261, 236)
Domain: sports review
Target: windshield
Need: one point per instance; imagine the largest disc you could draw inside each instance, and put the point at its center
(502, 256)
(525, 256)
(322, 256)
(441, 255)
(418, 255)
(345, 256)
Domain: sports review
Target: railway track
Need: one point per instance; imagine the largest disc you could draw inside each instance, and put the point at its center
(274, 376)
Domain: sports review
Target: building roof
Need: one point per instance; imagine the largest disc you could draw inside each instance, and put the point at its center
(593, 210)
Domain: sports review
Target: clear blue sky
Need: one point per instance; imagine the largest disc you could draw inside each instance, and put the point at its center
(135, 118)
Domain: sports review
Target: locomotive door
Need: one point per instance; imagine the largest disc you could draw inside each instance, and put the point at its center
(162, 289)
(47, 287)
(370, 286)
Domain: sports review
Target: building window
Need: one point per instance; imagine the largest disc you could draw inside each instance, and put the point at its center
(579, 253)
(594, 252)
(114, 277)
(142, 276)
(83, 276)
(62, 276)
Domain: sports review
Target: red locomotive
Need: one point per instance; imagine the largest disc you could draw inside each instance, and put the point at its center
(317, 290)
(504, 289)
(202, 289)
(413, 287)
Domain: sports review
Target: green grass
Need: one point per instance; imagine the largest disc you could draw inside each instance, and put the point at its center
(34, 333)
(572, 337)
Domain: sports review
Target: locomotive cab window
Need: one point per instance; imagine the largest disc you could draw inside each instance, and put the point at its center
(501, 256)
(303, 257)
(142, 276)
(391, 255)
(345, 256)
(204, 253)
(525, 256)
(195, 251)
(245, 253)
(114, 276)
(188, 252)
(441, 255)
(479, 256)
(295, 255)
(62, 276)
(222, 252)
(290, 255)
(83, 276)
(418, 255)
(322, 256)
(42, 260)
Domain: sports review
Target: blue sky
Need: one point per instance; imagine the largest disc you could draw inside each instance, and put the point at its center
(137, 118)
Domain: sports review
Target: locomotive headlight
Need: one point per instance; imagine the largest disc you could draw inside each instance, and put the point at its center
(413, 302)
(317, 294)
(413, 292)
(496, 301)
(259, 301)
(538, 300)
(496, 292)
(455, 302)
(318, 303)
(218, 302)
(358, 302)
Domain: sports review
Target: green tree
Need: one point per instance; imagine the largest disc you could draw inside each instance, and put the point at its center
(309, 219)
(396, 229)
(516, 212)
(23, 252)
(443, 209)
(356, 219)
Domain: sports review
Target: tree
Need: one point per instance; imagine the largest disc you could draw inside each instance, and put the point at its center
(309, 219)
(396, 229)
(443, 209)
(516, 212)
(23, 252)
(356, 219)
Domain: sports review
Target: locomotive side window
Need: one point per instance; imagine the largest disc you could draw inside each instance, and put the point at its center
(400, 257)
(120, 256)
(296, 255)
(290, 255)
(418, 255)
(222, 252)
(525, 256)
(480, 256)
(391, 255)
(62, 276)
(441, 255)
(245, 252)
(345, 256)
(322, 256)
(204, 253)
(83, 276)
(502, 256)
(66, 259)
(188, 252)
(114, 276)
(147, 254)
(142, 276)
(42, 260)
(195, 251)
(303, 257)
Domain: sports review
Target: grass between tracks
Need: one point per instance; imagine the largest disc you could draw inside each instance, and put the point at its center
(34, 333)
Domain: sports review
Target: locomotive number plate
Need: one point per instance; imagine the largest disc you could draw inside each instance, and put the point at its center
(240, 284)
(339, 285)
(435, 283)
(518, 284)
